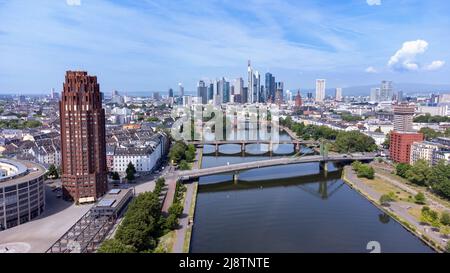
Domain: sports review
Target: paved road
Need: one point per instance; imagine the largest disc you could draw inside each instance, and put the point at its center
(188, 175)
(398, 208)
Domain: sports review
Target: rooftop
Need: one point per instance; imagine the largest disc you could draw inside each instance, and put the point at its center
(23, 171)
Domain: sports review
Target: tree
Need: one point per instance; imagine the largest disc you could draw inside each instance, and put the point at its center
(176, 209)
(447, 247)
(385, 199)
(171, 222)
(419, 173)
(429, 216)
(130, 171)
(378, 130)
(53, 172)
(401, 169)
(445, 218)
(387, 142)
(420, 198)
(440, 177)
(429, 133)
(115, 246)
(115, 176)
(354, 141)
(184, 165)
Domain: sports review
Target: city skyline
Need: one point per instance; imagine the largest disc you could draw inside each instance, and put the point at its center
(345, 43)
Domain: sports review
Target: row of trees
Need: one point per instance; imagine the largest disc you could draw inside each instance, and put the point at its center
(431, 134)
(363, 170)
(421, 173)
(16, 124)
(431, 119)
(142, 225)
(176, 209)
(182, 154)
(345, 142)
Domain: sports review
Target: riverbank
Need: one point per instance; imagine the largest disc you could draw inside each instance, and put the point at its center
(395, 211)
(183, 233)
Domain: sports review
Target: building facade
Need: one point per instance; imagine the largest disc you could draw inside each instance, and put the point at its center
(400, 145)
(83, 147)
(423, 151)
(22, 192)
(320, 90)
(403, 118)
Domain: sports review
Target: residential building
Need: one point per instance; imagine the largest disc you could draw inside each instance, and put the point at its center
(400, 145)
(320, 90)
(403, 117)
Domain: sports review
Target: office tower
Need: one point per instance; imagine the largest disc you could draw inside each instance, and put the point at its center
(254, 85)
(181, 89)
(338, 94)
(403, 117)
(288, 96)
(211, 91)
(386, 91)
(170, 93)
(238, 86)
(156, 96)
(270, 89)
(375, 94)
(202, 93)
(279, 93)
(52, 94)
(250, 82)
(83, 144)
(320, 90)
(244, 98)
(400, 96)
(309, 96)
(298, 100)
(225, 91)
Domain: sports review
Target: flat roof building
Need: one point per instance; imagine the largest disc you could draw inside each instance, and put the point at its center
(22, 192)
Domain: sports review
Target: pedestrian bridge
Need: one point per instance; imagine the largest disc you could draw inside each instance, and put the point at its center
(235, 168)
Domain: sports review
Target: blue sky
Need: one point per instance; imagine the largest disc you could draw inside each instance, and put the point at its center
(140, 45)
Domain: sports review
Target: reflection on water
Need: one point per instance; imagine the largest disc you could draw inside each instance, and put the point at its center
(292, 208)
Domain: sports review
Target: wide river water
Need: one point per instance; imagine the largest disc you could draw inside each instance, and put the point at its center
(293, 208)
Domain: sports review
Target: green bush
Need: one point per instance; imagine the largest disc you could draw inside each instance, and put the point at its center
(420, 198)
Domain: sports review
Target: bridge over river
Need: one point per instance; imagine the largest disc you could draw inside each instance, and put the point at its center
(235, 168)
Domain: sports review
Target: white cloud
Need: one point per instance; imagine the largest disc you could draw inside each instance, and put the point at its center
(404, 58)
(374, 2)
(73, 2)
(435, 65)
(371, 69)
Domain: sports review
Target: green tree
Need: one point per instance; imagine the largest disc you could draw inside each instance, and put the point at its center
(401, 169)
(130, 171)
(354, 141)
(440, 178)
(184, 165)
(171, 222)
(115, 176)
(419, 173)
(378, 130)
(53, 172)
(176, 209)
(385, 199)
(429, 133)
(420, 198)
(445, 218)
(387, 142)
(115, 246)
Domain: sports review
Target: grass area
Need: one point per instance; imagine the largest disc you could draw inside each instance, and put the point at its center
(166, 242)
(187, 237)
(418, 188)
(385, 187)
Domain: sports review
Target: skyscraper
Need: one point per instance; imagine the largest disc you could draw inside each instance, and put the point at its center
(279, 93)
(202, 92)
(181, 89)
(269, 94)
(386, 91)
(170, 93)
(83, 144)
(210, 91)
(403, 117)
(320, 90)
(338, 96)
(375, 94)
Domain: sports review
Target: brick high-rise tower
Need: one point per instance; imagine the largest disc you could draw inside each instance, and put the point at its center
(83, 147)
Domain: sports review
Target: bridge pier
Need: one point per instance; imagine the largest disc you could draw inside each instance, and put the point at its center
(324, 167)
(235, 177)
(297, 147)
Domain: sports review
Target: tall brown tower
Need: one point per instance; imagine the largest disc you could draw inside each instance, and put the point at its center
(83, 148)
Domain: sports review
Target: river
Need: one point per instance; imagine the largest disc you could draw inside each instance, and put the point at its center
(288, 209)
